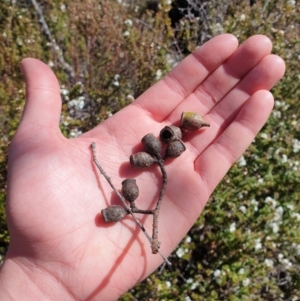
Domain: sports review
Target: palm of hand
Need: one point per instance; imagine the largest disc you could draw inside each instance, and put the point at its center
(55, 192)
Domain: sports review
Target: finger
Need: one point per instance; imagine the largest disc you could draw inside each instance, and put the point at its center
(226, 77)
(215, 161)
(43, 103)
(161, 99)
(263, 77)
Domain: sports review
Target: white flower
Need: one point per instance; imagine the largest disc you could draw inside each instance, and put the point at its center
(291, 207)
(217, 273)
(264, 136)
(180, 252)
(116, 80)
(50, 64)
(242, 161)
(19, 41)
(241, 271)
(63, 7)
(158, 74)
(278, 214)
(77, 103)
(218, 28)
(280, 256)
(269, 262)
(297, 248)
(75, 133)
(296, 145)
(258, 244)
(246, 282)
(243, 209)
(126, 33)
(296, 215)
(254, 202)
(232, 227)
(128, 22)
(276, 114)
(284, 158)
(260, 180)
(286, 262)
(242, 17)
(168, 284)
(64, 91)
(188, 239)
(130, 97)
(271, 202)
(291, 2)
(274, 226)
(187, 298)
(194, 285)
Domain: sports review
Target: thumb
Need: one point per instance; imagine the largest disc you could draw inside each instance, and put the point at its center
(43, 102)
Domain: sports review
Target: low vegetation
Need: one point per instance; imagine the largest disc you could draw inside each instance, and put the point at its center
(246, 243)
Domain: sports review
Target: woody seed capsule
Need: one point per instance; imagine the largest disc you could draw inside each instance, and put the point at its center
(192, 121)
(175, 148)
(141, 160)
(169, 133)
(152, 145)
(113, 213)
(130, 190)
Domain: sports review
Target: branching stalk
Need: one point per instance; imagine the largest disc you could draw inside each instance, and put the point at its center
(93, 146)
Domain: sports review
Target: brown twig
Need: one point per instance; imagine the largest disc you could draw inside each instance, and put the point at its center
(134, 209)
(93, 146)
(45, 29)
(155, 243)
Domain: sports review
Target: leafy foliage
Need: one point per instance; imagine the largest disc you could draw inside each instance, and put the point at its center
(246, 243)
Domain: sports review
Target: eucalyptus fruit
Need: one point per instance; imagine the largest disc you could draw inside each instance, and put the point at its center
(175, 148)
(192, 121)
(169, 133)
(152, 145)
(113, 213)
(142, 160)
(130, 190)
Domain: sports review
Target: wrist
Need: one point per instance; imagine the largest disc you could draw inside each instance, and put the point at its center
(22, 279)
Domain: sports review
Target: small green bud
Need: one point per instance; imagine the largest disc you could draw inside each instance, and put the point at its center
(192, 121)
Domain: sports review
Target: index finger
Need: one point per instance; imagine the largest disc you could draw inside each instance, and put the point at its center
(161, 99)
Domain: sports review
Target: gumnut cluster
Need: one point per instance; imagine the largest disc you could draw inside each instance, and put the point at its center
(152, 154)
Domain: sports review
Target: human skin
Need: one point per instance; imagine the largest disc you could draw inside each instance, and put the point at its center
(60, 247)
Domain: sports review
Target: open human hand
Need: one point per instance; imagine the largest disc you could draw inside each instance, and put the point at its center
(60, 248)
